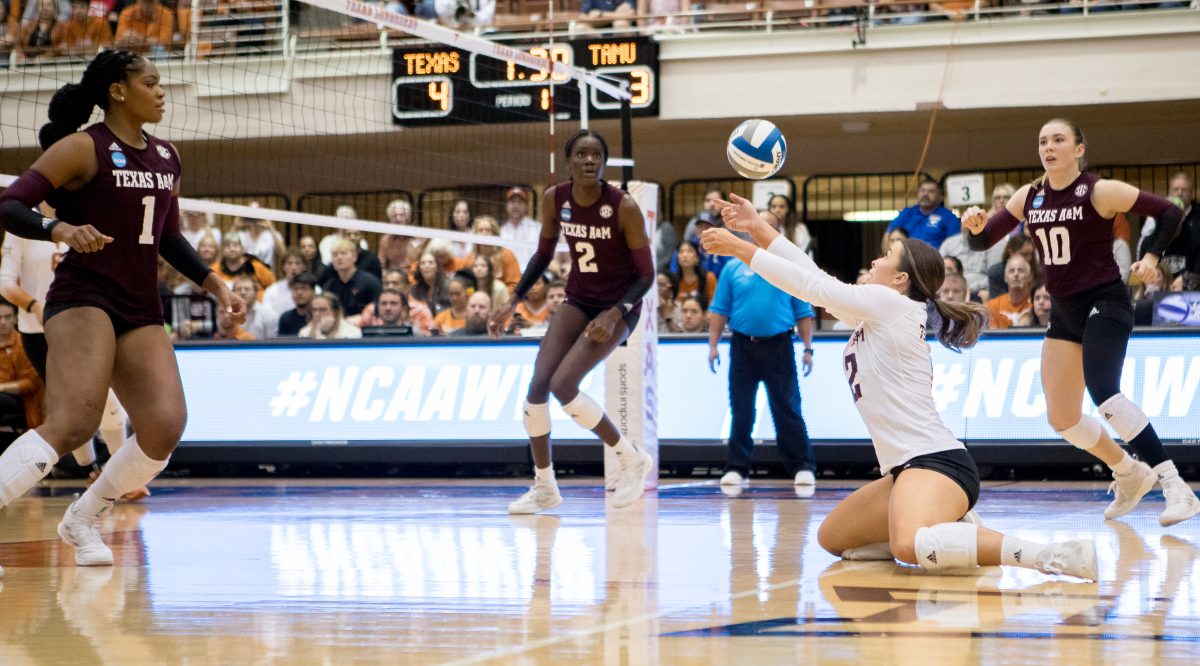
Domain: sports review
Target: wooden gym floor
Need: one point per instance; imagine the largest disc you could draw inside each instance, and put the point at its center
(435, 571)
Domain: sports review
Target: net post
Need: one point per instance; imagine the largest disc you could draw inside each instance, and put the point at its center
(627, 145)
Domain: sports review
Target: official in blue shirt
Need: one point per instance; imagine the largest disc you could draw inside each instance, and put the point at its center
(928, 220)
(762, 318)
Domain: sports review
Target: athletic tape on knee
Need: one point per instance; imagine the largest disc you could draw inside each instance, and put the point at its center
(536, 419)
(947, 546)
(1083, 435)
(1125, 417)
(584, 410)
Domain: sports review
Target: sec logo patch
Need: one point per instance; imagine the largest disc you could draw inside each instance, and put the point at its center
(606, 211)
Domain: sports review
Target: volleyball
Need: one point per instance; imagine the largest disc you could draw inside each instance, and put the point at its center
(756, 149)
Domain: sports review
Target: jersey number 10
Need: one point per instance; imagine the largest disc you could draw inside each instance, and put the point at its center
(1056, 245)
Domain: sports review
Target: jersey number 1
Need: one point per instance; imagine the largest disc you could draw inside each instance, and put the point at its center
(1056, 246)
(147, 236)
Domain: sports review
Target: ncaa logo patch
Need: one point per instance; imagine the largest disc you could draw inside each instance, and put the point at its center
(166, 154)
(1037, 201)
(606, 211)
(1081, 190)
(565, 214)
(119, 161)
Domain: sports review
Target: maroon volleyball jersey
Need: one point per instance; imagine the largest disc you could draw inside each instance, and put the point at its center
(1073, 241)
(602, 267)
(128, 199)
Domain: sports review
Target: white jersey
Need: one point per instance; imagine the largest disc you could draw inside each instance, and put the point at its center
(886, 361)
(29, 265)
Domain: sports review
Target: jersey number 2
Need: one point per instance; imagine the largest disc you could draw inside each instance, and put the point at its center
(147, 236)
(1056, 246)
(852, 365)
(586, 254)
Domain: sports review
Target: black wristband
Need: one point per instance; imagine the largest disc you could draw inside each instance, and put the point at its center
(29, 307)
(808, 350)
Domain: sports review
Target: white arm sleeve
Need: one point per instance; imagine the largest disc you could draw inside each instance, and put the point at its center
(805, 281)
(10, 265)
(782, 247)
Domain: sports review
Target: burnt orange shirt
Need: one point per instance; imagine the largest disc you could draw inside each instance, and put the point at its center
(133, 25)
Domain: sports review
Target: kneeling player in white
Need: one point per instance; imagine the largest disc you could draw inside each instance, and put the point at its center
(916, 511)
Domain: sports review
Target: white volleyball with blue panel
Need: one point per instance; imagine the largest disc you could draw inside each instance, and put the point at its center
(756, 149)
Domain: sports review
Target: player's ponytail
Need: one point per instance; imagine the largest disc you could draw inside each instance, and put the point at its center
(961, 322)
(72, 104)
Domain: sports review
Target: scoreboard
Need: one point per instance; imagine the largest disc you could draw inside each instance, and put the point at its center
(442, 85)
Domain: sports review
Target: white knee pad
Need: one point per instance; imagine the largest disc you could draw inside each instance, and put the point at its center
(1083, 435)
(871, 552)
(536, 419)
(1125, 417)
(584, 410)
(947, 546)
(112, 423)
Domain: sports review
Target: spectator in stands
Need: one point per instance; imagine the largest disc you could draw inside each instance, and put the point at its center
(928, 220)
(260, 239)
(711, 206)
(518, 227)
(479, 309)
(145, 27)
(329, 320)
(556, 295)
(954, 289)
(344, 212)
(261, 321)
(691, 275)
(227, 329)
(664, 15)
(463, 14)
(364, 261)
(485, 281)
(603, 13)
(670, 317)
(666, 242)
(278, 296)
(81, 33)
(398, 251)
(691, 316)
(890, 236)
(975, 264)
(304, 289)
(390, 312)
(234, 262)
(1015, 306)
(38, 33)
(20, 385)
(780, 206)
(534, 310)
(1041, 307)
(208, 249)
(901, 13)
(460, 220)
(504, 263)
(310, 251)
(1016, 244)
(354, 288)
(443, 252)
(455, 317)
(1182, 256)
(8, 37)
(953, 265)
(430, 285)
(416, 311)
(196, 225)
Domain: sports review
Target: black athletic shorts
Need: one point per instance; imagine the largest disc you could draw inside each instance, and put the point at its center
(955, 463)
(120, 325)
(591, 312)
(1069, 314)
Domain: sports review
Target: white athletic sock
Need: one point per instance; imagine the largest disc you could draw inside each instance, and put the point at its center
(1016, 552)
(545, 475)
(26, 461)
(1166, 470)
(129, 469)
(86, 454)
(1125, 466)
(623, 446)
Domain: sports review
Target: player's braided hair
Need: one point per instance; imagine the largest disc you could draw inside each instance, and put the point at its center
(961, 322)
(72, 105)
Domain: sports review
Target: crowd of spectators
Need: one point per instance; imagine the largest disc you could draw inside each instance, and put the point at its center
(409, 286)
